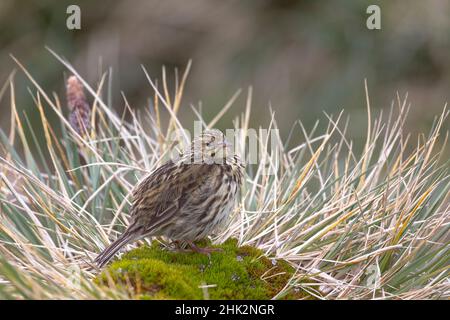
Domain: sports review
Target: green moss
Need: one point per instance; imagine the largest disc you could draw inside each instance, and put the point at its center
(235, 273)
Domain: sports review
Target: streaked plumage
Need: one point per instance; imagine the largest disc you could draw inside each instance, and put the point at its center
(185, 200)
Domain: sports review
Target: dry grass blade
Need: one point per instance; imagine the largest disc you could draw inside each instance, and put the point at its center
(373, 225)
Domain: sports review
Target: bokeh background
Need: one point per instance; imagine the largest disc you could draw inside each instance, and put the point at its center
(300, 57)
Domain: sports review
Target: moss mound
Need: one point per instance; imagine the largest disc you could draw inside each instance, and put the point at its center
(234, 273)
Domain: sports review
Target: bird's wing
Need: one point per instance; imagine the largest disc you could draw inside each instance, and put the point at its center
(164, 192)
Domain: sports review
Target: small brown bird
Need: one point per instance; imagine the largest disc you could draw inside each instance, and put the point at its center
(187, 199)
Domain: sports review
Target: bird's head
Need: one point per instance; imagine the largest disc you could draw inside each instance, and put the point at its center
(211, 147)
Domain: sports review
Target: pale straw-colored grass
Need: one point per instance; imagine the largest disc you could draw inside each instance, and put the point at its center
(339, 217)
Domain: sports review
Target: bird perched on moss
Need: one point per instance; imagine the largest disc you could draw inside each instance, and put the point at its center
(187, 199)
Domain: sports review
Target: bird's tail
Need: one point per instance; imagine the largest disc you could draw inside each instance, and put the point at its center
(107, 254)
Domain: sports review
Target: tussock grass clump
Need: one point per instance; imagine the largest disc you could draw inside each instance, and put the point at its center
(372, 224)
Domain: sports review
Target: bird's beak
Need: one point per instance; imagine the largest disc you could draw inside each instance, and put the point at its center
(226, 144)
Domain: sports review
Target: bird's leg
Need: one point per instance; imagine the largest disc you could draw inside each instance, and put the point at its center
(206, 251)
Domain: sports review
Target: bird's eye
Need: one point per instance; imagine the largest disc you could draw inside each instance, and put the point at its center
(213, 154)
(210, 141)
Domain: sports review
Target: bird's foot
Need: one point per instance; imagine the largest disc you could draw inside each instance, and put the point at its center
(206, 251)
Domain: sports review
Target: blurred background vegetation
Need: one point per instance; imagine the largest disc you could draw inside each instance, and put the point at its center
(301, 57)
